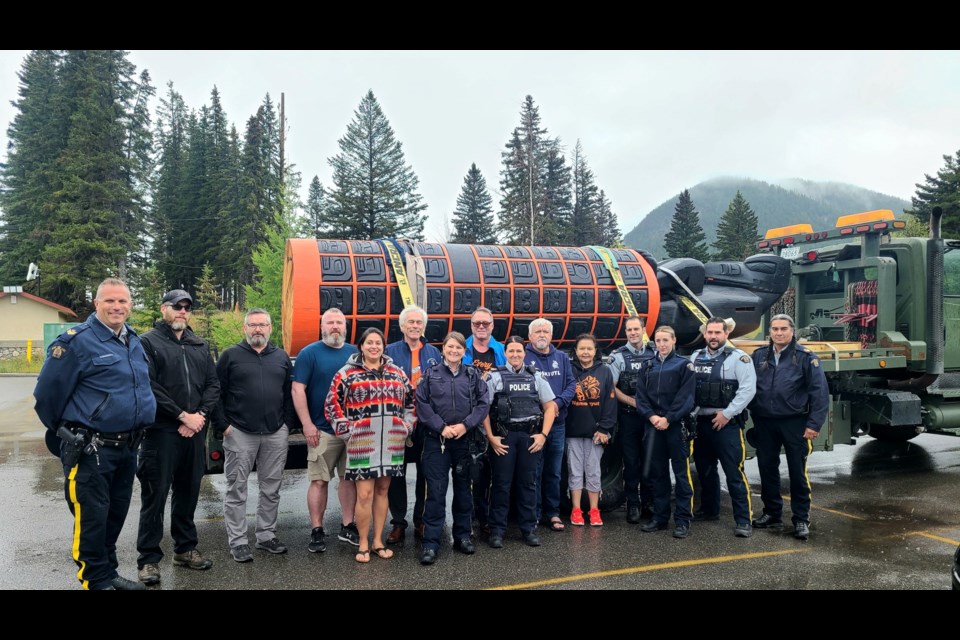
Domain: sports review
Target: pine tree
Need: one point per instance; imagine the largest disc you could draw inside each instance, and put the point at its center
(942, 190)
(206, 302)
(737, 231)
(171, 180)
(556, 206)
(521, 178)
(374, 192)
(96, 209)
(36, 137)
(686, 238)
(315, 222)
(610, 235)
(584, 229)
(473, 217)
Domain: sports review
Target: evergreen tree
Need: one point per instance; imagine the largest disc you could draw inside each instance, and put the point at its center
(36, 137)
(473, 217)
(584, 228)
(206, 302)
(521, 178)
(942, 190)
(374, 191)
(686, 238)
(737, 231)
(610, 235)
(556, 206)
(315, 222)
(96, 208)
(171, 179)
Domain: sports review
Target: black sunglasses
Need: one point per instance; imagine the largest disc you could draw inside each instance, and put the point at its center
(180, 307)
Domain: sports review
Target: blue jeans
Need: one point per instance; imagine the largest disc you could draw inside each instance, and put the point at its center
(548, 473)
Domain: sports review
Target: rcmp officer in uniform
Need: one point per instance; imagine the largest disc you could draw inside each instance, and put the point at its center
(626, 363)
(726, 383)
(789, 409)
(664, 398)
(522, 414)
(94, 389)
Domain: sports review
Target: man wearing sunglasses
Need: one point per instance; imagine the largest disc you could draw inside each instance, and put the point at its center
(184, 380)
(486, 354)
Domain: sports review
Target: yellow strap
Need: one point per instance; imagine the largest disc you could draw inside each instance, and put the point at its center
(611, 263)
(399, 272)
(694, 309)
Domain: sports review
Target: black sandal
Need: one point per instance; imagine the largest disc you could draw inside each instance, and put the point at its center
(381, 550)
(556, 524)
(365, 553)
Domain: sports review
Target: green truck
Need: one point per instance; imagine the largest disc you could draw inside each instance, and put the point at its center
(883, 313)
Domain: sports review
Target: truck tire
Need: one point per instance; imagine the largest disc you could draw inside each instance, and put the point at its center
(886, 433)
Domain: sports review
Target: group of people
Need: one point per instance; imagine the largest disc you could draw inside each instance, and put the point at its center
(492, 419)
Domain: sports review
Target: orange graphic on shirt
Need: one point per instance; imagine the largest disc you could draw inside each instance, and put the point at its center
(588, 388)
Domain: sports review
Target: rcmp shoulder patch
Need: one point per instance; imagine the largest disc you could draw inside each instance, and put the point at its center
(745, 358)
(690, 366)
(815, 362)
(57, 351)
(71, 332)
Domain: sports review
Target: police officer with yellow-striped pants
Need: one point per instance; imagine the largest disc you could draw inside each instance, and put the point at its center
(789, 409)
(726, 383)
(94, 391)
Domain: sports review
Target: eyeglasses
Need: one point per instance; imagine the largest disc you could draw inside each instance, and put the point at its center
(258, 325)
(180, 307)
(481, 324)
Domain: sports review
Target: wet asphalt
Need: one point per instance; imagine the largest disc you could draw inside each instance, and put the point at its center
(885, 516)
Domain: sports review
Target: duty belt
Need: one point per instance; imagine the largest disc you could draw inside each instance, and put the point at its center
(530, 426)
(130, 438)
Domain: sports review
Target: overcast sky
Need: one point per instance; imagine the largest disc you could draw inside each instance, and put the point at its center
(651, 123)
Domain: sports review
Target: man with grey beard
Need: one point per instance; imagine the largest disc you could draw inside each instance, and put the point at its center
(184, 380)
(313, 373)
(254, 421)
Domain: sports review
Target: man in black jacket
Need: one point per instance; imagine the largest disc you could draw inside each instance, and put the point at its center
(255, 418)
(184, 380)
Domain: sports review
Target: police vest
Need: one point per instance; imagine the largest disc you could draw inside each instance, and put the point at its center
(712, 390)
(519, 400)
(632, 364)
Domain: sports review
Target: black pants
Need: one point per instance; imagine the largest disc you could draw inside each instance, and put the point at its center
(98, 491)
(671, 449)
(168, 460)
(397, 495)
(438, 466)
(517, 470)
(636, 479)
(727, 447)
(773, 433)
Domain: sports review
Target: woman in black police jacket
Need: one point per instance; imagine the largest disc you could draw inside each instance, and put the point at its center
(451, 405)
(665, 393)
(521, 416)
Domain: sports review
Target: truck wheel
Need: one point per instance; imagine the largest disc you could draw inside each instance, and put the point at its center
(887, 433)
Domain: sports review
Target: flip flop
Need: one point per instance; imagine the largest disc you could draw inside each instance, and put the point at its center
(556, 524)
(383, 553)
(365, 554)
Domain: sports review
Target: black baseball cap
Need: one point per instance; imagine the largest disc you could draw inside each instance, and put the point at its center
(176, 295)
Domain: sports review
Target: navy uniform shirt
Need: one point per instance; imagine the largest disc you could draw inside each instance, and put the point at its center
(793, 384)
(92, 378)
(666, 388)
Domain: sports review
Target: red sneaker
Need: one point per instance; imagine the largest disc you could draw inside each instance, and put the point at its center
(595, 520)
(576, 517)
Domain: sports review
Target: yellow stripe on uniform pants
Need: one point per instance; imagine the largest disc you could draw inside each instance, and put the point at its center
(75, 551)
(806, 476)
(746, 483)
(690, 477)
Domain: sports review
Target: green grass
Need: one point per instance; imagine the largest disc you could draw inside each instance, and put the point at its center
(20, 365)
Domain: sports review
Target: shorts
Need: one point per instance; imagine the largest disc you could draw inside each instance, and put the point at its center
(329, 454)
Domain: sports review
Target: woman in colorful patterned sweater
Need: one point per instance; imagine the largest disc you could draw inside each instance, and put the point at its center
(370, 405)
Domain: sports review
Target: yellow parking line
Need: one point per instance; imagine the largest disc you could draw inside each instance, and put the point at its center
(933, 537)
(645, 568)
(833, 511)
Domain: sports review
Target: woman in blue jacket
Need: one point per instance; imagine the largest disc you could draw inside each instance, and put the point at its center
(665, 396)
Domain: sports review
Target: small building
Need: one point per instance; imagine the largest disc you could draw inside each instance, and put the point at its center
(22, 316)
